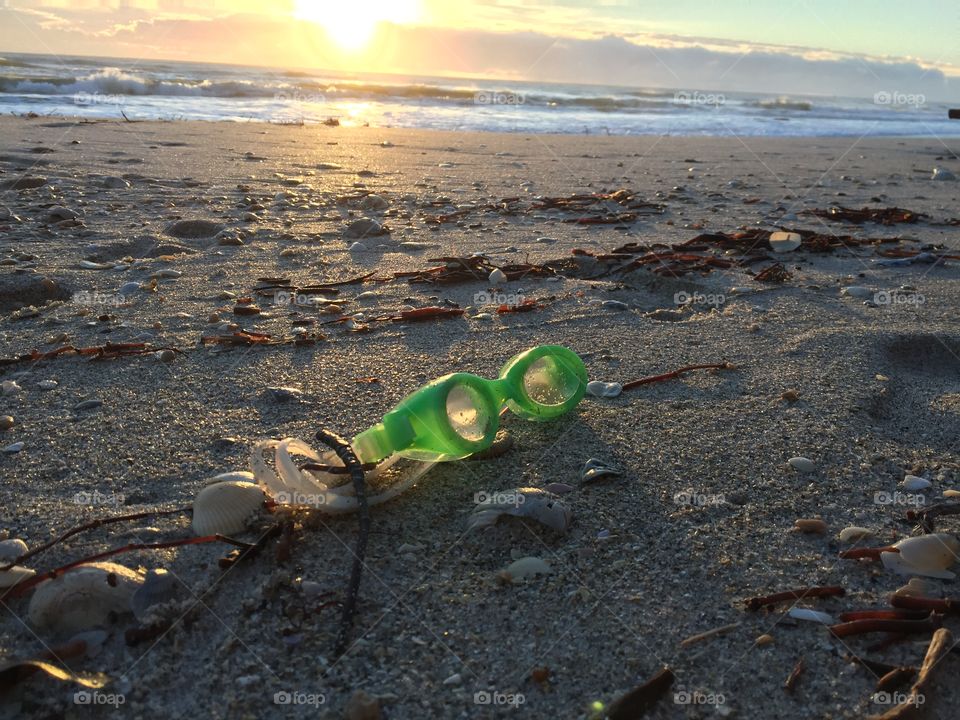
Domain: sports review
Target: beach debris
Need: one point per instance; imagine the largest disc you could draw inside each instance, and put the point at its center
(882, 216)
(794, 677)
(6, 422)
(361, 706)
(810, 615)
(558, 488)
(942, 174)
(194, 229)
(857, 291)
(637, 702)
(523, 569)
(763, 640)
(13, 448)
(802, 464)
(940, 645)
(594, 470)
(673, 374)
(755, 603)
(913, 483)
(10, 387)
(86, 597)
(159, 586)
(810, 526)
(918, 587)
(47, 384)
(225, 508)
(365, 227)
(51, 664)
(108, 351)
(525, 502)
(925, 555)
(854, 533)
(374, 203)
(598, 388)
(783, 242)
(862, 627)
(284, 394)
(790, 395)
(15, 575)
(706, 635)
(773, 273)
(497, 277)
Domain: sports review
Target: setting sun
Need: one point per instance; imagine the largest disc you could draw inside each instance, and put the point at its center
(351, 24)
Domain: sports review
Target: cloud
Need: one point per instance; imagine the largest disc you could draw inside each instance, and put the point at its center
(635, 60)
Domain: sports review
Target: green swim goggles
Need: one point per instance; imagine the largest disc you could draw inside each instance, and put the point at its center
(458, 415)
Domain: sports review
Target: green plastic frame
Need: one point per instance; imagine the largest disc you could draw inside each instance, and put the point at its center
(419, 426)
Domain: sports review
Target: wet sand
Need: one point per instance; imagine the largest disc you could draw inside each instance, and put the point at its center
(699, 520)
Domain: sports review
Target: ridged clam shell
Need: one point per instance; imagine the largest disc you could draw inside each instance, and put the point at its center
(226, 507)
(83, 598)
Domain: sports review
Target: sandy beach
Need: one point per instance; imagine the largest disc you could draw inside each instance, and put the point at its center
(863, 383)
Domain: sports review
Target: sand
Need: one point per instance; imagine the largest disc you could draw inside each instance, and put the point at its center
(878, 395)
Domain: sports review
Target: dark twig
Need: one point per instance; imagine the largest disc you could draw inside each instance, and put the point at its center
(755, 603)
(21, 588)
(861, 627)
(947, 606)
(791, 682)
(346, 454)
(939, 646)
(635, 703)
(92, 525)
(673, 374)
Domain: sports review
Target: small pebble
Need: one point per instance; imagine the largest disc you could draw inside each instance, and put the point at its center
(812, 526)
(10, 387)
(11, 449)
(764, 640)
(598, 388)
(802, 464)
(6, 422)
(454, 679)
(87, 405)
(790, 395)
(912, 483)
(497, 277)
(47, 384)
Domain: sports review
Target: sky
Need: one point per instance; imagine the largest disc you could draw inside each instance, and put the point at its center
(818, 47)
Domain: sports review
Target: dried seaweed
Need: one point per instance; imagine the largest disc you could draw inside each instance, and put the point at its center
(883, 216)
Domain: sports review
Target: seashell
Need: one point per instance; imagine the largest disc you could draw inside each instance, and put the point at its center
(47, 384)
(614, 305)
(7, 422)
(497, 277)
(167, 273)
(857, 291)
(782, 242)
(159, 586)
(365, 227)
(941, 174)
(912, 483)
(598, 388)
(128, 288)
(10, 387)
(12, 549)
(285, 394)
(936, 551)
(16, 574)
(802, 464)
(14, 448)
(531, 503)
(233, 476)
(226, 507)
(810, 615)
(855, 534)
(810, 525)
(83, 598)
(374, 203)
(594, 470)
(951, 493)
(895, 563)
(763, 640)
(559, 488)
(524, 569)
(919, 587)
(357, 247)
(90, 265)
(329, 166)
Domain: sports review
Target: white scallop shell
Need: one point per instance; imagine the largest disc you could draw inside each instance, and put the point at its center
(226, 507)
(83, 598)
(937, 551)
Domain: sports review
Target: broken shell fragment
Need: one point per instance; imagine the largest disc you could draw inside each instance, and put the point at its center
(810, 615)
(936, 551)
(524, 569)
(158, 587)
(84, 597)
(531, 503)
(919, 587)
(226, 507)
(16, 574)
(810, 525)
(594, 470)
(782, 242)
(598, 388)
(913, 483)
(854, 534)
(802, 464)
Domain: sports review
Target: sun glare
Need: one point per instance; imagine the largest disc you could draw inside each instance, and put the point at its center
(351, 23)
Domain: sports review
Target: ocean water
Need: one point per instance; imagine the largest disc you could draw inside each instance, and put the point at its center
(107, 87)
